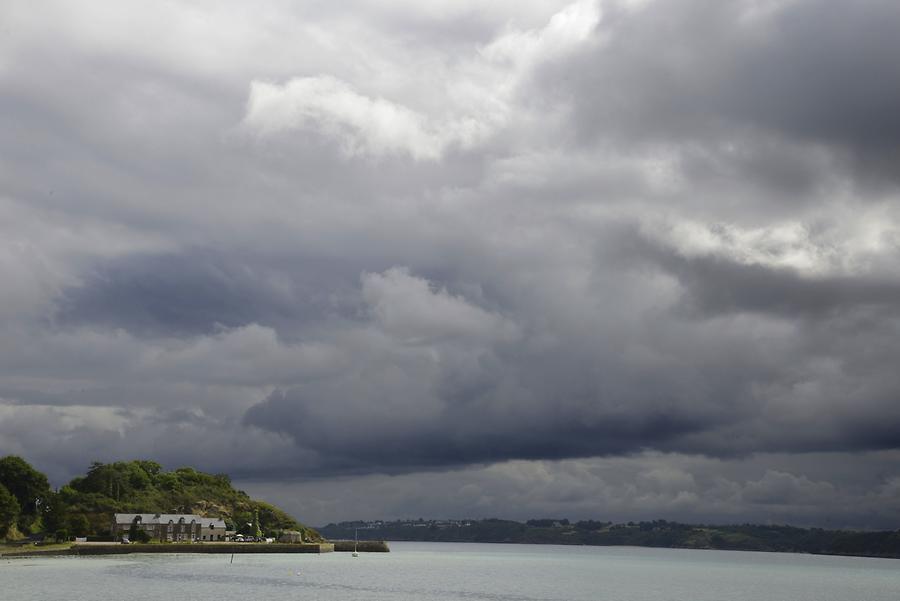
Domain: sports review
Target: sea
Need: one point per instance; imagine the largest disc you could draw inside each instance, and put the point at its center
(464, 571)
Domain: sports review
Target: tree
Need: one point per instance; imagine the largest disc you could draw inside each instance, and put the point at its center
(133, 530)
(79, 525)
(9, 510)
(115, 480)
(151, 467)
(244, 522)
(29, 486)
(54, 512)
(136, 534)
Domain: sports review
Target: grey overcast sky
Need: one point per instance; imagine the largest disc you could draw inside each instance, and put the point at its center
(611, 259)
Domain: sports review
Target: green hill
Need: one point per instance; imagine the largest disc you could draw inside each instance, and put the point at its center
(658, 533)
(85, 505)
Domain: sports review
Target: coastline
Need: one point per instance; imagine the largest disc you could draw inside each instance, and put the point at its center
(81, 549)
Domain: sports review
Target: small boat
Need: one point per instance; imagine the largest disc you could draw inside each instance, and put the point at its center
(355, 542)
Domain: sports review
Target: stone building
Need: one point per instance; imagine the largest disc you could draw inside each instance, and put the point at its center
(213, 529)
(291, 536)
(170, 527)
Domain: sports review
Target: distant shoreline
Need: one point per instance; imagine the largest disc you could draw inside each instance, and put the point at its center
(658, 534)
(524, 544)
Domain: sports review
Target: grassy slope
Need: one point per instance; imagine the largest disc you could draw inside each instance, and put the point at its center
(142, 487)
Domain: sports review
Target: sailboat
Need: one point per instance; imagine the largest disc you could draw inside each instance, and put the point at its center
(355, 542)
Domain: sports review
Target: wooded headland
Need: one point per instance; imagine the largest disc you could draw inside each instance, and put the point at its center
(658, 533)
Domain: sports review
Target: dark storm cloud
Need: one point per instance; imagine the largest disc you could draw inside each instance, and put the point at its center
(716, 285)
(700, 70)
(745, 389)
(492, 250)
(201, 292)
(459, 435)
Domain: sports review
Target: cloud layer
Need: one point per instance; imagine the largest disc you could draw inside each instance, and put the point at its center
(613, 258)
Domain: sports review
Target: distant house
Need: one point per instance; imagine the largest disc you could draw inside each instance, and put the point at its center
(291, 536)
(170, 527)
(212, 529)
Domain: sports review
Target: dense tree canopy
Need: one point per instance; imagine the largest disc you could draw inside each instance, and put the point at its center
(84, 506)
(658, 533)
(9, 510)
(29, 486)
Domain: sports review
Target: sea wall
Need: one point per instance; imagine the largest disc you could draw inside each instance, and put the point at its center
(226, 548)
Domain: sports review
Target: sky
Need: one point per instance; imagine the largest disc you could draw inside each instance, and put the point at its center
(606, 259)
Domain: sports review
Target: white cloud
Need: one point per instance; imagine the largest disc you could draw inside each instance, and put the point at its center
(414, 311)
(481, 91)
(565, 31)
(362, 125)
(781, 488)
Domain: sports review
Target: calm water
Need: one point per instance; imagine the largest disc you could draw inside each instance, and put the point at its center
(469, 572)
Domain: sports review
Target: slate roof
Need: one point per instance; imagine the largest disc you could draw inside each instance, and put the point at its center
(163, 518)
